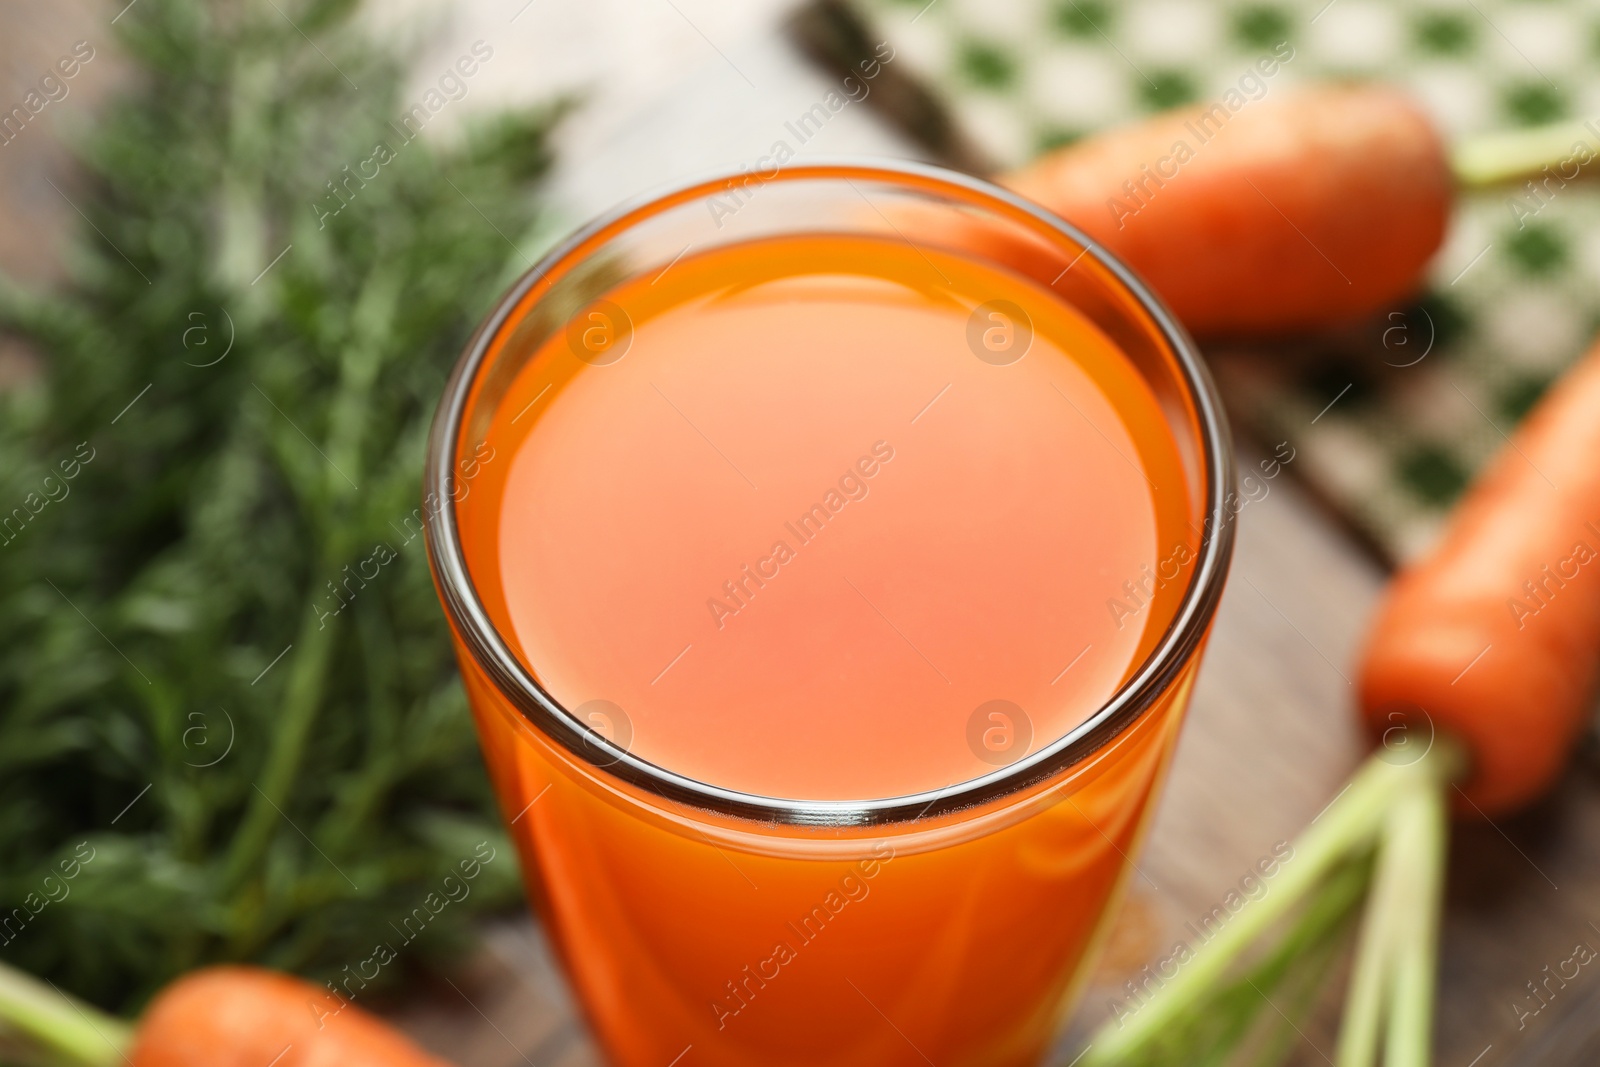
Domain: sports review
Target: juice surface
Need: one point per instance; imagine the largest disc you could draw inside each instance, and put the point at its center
(819, 515)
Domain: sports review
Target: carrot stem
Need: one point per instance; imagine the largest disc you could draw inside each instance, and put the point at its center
(1420, 835)
(1370, 978)
(301, 701)
(71, 1030)
(1314, 959)
(1510, 155)
(1392, 983)
(1394, 801)
(1348, 824)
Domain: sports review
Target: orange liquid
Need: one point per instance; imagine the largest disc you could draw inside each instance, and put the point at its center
(810, 518)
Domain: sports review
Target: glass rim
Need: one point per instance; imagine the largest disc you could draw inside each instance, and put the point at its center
(1121, 711)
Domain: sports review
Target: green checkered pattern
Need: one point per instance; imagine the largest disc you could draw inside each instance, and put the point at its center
(1510, 302)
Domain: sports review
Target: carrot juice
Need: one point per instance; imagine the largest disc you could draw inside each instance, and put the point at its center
(799, 564)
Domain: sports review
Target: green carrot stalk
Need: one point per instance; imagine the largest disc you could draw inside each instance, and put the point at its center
(1394, 804)
(1349, 824)
(1364, 1004)
(1419, 838)
(1511, 155)
(67, 1028)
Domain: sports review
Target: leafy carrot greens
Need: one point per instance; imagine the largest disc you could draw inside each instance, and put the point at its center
(224, 676)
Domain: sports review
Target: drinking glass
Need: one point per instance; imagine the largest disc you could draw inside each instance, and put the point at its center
(701, 925)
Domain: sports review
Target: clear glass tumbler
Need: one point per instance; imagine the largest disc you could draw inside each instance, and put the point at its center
(703, 925)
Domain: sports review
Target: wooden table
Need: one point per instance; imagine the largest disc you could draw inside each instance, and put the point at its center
(1270, 737)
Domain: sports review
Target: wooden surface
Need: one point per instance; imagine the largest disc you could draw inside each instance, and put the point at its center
(1270, 737)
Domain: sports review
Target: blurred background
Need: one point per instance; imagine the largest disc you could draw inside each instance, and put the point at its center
(1388, 419)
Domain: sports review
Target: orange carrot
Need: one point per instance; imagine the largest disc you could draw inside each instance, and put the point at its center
(216, 1017)
(1494, 637)
(1297, 211)
(249, 1017)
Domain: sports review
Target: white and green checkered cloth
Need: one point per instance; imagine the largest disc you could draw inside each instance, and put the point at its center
(1387, 435)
